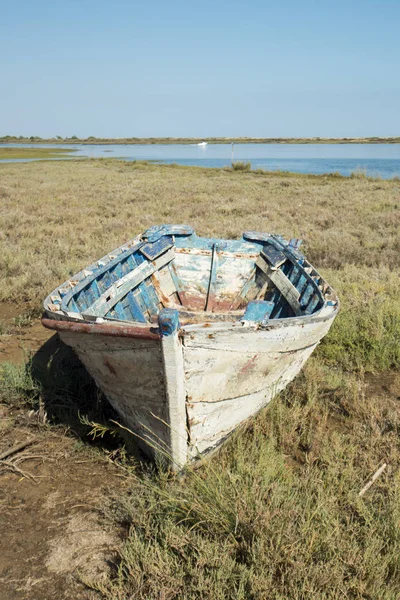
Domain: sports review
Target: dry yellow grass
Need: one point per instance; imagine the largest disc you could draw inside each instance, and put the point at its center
(58, 217)
(277, 514)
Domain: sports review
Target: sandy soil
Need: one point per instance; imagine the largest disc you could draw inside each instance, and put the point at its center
(53, 530)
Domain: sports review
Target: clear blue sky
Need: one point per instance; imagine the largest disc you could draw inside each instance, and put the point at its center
(181, 68)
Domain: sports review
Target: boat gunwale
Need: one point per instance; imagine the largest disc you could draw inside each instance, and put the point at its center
(152, 332)
(88, 274)
(107, 328)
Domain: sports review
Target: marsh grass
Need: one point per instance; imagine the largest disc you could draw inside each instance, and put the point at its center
(17, 385)
(276, 514)
(366, 337)
(241, 166)
(59, 217)
(14, 153)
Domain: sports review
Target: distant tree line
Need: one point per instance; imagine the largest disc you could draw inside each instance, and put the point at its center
(211, 140)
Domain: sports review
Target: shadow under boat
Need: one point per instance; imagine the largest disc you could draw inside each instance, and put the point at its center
(70, 397)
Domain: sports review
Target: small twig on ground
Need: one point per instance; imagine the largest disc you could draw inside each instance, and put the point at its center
(25, 457)
(373, 478)
(17, 448)
(12, 467)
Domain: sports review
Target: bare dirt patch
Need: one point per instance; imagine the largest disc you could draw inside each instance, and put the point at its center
(53, 530)
(52, 527)
(17, 343)
(386, 384)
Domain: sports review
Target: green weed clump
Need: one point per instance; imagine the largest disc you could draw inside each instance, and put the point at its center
(241, 166)
(366, 334)
(18, 387)
(277, 514)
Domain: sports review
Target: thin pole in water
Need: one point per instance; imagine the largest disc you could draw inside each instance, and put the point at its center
(232, 154)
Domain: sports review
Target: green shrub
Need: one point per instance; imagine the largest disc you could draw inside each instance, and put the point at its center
(17, 384)
(366, 333)
(276, 515)
(241, 166)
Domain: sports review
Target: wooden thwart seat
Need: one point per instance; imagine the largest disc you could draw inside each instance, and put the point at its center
(282, 283)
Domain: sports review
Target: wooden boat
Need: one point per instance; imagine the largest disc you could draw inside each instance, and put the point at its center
(187, 336)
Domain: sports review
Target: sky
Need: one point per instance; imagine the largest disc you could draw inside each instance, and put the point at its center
(123, 68)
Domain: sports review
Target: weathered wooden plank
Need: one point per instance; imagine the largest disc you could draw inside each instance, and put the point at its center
(288, 291)
(284, 336)
(204, 318)
(232, 246)
(312, 305)
(137, 394)
(223, 253)
(163, 297)
(282, 283)
(232, 276)
(166, 282)
(97, 270)
(306, 295)
(257, 312)
(172, 355)
(244, 291)
(118, 290)
(211, 422)
(221, 374)
(119, 312)
(136, 311)
(149, 297)
(179, 289)
(152, 250)
(154, 233)
(194, 273)
(275, 258)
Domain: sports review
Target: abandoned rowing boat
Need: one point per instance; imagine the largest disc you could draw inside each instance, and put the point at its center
(187, 337)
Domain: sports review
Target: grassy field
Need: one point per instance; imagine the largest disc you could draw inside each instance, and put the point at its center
(14, 153)
(276, 515)
(7, 139)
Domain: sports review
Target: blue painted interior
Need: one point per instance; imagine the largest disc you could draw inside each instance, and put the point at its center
(258, 311)
(143, 303)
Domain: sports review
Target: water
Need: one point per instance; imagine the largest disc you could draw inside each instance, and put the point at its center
(376, 160)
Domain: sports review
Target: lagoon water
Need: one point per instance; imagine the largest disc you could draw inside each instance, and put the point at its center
(376, 160)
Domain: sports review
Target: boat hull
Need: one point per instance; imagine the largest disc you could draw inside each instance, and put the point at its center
(188, 336)
(183, 393)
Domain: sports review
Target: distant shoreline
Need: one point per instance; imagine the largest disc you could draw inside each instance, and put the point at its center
(215, 140)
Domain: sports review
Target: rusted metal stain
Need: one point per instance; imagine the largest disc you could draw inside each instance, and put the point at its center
(165, 300)
(225, 254)
(109, 366)
(249, 365)
(128, 331)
